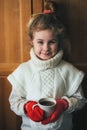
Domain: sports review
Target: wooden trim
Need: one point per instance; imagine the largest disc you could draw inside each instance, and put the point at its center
(6, 68)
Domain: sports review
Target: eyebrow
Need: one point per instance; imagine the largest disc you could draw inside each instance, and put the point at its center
(39, 39)
(49, 40)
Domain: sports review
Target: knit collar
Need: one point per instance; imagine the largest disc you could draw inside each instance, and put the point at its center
(46, 64)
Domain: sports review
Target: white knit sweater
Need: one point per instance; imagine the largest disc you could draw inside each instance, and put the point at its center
(36, 78)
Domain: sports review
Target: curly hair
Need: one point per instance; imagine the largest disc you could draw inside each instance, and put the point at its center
(49, 20)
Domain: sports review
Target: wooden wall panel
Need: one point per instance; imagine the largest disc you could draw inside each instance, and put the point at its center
(9, 121)
(14, 16)
(14, 48)
(77, 21)
(73, 14)
(2, 39)
(1, 106)
(10, 42)
(25, 14)
(38, 6)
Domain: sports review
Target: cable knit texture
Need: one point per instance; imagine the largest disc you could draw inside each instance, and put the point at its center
(47, 77)
(36, 79)
(46, 64)
(47, 82)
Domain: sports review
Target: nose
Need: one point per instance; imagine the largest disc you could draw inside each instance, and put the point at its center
(46, 47)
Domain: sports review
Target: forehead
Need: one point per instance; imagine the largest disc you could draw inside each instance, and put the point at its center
(44, 34)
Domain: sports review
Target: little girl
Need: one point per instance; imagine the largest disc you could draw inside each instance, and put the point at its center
(46, 74)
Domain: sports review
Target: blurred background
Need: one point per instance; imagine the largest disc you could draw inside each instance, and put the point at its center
(14, 48)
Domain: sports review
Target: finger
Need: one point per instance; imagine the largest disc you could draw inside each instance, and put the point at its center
(46, 121)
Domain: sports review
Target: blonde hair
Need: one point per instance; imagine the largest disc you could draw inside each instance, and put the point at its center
(49, 20)
(44, 21)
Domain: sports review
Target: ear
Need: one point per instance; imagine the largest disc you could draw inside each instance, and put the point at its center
(30, 41)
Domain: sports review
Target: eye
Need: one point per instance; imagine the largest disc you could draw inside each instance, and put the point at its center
(40, 42)
(52, 42)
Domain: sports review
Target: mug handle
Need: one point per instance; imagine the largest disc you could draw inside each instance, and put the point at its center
(35, 105)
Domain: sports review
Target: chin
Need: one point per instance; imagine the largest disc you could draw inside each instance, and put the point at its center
(43, 58)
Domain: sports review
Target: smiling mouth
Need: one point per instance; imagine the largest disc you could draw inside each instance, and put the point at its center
(46, 53)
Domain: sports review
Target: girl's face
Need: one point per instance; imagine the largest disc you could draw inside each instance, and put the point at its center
(45, 44)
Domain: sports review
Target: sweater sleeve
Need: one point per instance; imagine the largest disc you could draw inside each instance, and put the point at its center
(72, 78)
(76, 101)
(17, 80)
(17, 96)
(17, 102)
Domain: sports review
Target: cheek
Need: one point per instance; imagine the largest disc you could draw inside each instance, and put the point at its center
(37, 49)
(55, 48)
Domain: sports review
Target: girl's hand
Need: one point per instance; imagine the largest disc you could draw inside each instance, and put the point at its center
(34, 113)
(61, 106)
